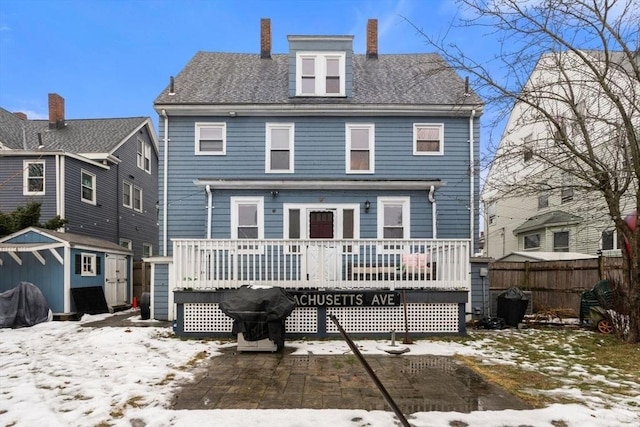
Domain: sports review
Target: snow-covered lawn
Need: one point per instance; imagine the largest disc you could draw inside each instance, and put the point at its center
(64, 374)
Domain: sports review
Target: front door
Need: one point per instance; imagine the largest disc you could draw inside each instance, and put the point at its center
(116, 276)
(322, 257)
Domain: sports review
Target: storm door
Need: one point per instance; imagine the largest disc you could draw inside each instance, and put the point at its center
(323, 257)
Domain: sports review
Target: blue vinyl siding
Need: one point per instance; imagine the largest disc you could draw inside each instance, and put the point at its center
(319, 154)
(11, 193)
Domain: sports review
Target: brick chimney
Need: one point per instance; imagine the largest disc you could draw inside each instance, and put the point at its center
(372, 39)
(265, 38)
(20, 115)
(56, 111)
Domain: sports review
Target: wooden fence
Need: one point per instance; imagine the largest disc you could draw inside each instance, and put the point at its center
(554, 285)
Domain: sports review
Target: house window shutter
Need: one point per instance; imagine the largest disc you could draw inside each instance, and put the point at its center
(98, 265)
(78, 264)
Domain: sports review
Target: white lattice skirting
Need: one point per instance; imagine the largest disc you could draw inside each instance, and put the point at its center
(421, 318)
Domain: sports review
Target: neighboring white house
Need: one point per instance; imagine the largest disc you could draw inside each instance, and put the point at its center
(531, 205)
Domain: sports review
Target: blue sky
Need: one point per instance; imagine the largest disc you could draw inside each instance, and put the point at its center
(111, 58)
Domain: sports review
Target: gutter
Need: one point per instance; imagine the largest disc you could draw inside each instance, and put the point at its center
(432, 199)
(165, 182)
(472, 182)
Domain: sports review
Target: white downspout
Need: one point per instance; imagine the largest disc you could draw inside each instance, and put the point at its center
(165, 183)
(432, 199)
(209, 209)
(472, 205)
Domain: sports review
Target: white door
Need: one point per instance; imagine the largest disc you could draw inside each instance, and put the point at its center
(322, 257)
(116, 276)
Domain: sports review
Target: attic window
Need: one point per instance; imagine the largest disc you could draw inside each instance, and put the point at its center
(320, 74)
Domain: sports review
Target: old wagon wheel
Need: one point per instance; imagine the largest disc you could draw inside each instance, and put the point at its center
(605, 326)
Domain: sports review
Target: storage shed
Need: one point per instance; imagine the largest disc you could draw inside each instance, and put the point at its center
(61, 263)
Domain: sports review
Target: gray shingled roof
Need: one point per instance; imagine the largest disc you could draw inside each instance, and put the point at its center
(549, 219)
(237, 78)
(78, 136)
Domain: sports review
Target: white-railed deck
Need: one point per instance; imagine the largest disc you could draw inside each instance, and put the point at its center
(208, 264)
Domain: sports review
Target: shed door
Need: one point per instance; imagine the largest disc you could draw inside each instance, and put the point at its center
(116, 280)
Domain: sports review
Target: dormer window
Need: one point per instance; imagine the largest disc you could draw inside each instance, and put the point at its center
(320, 74)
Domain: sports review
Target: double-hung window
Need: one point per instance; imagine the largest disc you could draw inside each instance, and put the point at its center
(360, 148)
(393, 219)
(428, 139)
(320, 74)
(566, 193)
(211, 139)
(279, 148)
(247, 220)
(143, 156)
(137, 198)
(127, 193)
(33, 184)
(88, 187)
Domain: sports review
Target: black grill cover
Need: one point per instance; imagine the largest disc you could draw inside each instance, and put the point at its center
(24, 305)
(259, 313)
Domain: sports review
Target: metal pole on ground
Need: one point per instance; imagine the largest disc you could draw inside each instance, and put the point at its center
(371, 373)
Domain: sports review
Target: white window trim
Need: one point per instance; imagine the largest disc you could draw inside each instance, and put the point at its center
(321, 73)
(140, 153)
(147, 157)
(91, 201)
(406, 215)
(200, 125)
(130, 185)
(92, 261)
(533, 248)
(372, 142)
(133, 197)
(440, 127)
(150, 246)
(268, 128)
(129, 243)
(25, 182)
(235, 202)
(306, 208)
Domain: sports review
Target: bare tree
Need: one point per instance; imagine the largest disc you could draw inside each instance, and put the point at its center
(572, 68)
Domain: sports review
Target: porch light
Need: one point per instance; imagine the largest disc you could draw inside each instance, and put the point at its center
(367, 205)
(274, 194)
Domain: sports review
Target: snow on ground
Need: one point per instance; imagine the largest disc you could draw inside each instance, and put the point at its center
(64, 374)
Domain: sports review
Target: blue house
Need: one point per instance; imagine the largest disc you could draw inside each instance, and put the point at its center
(60, 264)
(346, 178)
(101, 175)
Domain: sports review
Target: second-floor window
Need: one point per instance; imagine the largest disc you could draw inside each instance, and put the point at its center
(279, 147)
(320, 74)
(126, 243)
(144, 155)
(33, 178)
(428, 139)
(566, 193)
(137, 198)
(543, 201)
(360, 144)
(211, 139)
(88, 187)
(127, 191)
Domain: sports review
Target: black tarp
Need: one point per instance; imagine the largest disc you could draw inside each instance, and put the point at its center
(259, 313)
(24, 305)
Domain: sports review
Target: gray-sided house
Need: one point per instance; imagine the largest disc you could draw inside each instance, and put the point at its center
(345, 178)
(101, 175)
(64, 266)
